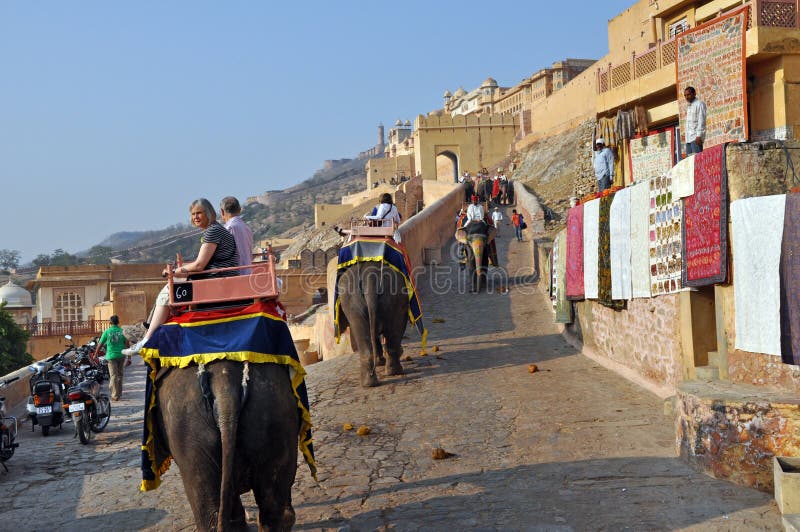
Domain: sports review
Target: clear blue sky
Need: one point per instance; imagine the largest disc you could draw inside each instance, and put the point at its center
(115, 115)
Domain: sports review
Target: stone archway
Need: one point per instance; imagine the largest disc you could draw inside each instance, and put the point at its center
(447, 166)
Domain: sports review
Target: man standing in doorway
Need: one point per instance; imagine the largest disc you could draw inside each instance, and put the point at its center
(231, 210)
(695, 122)
(115, 342)
(603, 165)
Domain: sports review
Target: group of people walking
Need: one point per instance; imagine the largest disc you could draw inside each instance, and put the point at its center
(495, 188)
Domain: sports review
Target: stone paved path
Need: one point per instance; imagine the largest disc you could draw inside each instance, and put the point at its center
(571, 447)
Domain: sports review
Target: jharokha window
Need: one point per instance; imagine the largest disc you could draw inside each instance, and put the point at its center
(68, 305)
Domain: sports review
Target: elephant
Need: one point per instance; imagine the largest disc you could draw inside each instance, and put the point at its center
(227, 441)
(477, 236)
(374, 303)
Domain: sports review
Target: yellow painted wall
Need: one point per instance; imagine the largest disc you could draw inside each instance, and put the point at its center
(378, 170)
(329, 213)
(477, 141)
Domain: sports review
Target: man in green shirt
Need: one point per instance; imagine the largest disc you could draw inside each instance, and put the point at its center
(115, 341)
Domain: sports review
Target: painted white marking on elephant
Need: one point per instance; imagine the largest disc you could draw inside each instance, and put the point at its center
(246, 374)
(200, 369)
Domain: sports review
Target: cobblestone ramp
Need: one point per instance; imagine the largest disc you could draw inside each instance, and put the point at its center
(570, 447)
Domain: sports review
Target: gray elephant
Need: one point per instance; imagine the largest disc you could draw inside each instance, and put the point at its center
(374, 303)
(477, 237)
(227, 442)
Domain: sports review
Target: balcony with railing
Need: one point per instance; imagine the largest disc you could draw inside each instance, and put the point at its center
(767, 13)
(60, 328)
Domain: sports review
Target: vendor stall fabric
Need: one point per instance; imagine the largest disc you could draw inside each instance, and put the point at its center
(682, 176)
(563, 305)
(705, 221)
(604, 254)
(620, 245)
(640, 239)
(756, 229)
(665, 238)
(574, 277)
(790, 282)
(591, 232)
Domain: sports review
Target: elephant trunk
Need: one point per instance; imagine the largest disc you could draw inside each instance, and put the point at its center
(478, 246)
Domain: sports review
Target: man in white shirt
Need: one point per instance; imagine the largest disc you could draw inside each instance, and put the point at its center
(603, 165)
(695, 122)
(474, 211)
(230, 210)
(497, 217)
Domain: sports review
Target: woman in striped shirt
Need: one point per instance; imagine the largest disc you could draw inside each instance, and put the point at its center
(218, 250)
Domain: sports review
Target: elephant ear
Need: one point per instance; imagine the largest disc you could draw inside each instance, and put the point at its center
(461, 236)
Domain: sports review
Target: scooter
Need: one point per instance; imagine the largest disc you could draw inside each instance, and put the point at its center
(90, 409)
(48, 385)
(8, 429)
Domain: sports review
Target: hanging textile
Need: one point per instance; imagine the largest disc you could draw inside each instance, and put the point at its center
(563, 305)
(620, 229)
(640, 239)
(574, 253)
(605, 130)
(591, 231)
(682, 176)
(665, 238)
(625, 125)
(642, 127)
(705, 221)
(789, 272)
(757, 231)
(620, 156)
(604, 254)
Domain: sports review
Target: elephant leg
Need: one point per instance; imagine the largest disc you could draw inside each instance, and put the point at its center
(360, 330)
(394, 351)
(195, 447)
(380, 359)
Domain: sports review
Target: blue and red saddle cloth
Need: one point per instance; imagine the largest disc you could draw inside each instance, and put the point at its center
(257, 333)
(390, 254)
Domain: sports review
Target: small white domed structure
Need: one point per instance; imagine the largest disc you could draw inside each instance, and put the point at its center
(447, 94)
(14, 296)
(460, 92)
(407, 123)
(489, 82)
(398, 123)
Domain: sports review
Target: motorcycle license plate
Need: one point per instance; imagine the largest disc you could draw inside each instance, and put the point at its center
(77, 407)
(44, 409)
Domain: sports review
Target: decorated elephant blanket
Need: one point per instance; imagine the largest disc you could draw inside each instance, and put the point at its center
(257, 333)
(391, 255)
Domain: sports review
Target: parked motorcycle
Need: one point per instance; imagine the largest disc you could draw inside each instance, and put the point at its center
(48, 387)
(90, 409)
(8, 429)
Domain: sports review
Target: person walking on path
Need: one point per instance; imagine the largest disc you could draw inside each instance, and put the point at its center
(497, 217)
(695, 122)
(115, 342)
(231, 212)
(603, 165)
(518, 221)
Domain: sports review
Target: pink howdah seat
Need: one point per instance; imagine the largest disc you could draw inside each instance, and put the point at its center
(366, 227)
(261, 283)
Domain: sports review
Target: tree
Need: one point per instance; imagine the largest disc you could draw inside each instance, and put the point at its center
(100, 254)
(41, 260)
(9, 259)
(13, 343)
(59, 257)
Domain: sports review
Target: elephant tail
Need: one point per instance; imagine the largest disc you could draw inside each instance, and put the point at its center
(227, 406)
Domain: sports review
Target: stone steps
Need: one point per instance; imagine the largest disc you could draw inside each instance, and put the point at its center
(713, 358)
(706, 373)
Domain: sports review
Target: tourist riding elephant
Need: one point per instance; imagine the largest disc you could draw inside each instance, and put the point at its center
(477, 236)
(227, 442)
(374, 303)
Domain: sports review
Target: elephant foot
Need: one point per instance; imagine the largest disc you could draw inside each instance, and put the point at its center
(380, 360)
(369, 380)
(394, 369)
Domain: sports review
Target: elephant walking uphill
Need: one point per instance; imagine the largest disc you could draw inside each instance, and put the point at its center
(374, 302)
(477, 237)
(227, 441)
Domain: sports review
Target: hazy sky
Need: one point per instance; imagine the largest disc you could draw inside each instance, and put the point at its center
(115, 115)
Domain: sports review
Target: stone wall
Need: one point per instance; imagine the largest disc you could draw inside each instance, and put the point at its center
(529, 205)
(408, 197)
(733, 433)
(644, 339)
